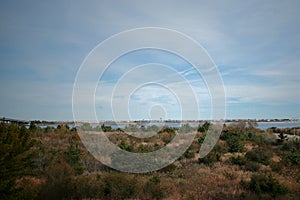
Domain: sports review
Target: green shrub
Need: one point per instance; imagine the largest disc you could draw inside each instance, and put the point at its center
(235, 144)
(233, 140)
(204, 127)
(153, 189)
(126, 146)
(167, 129)
(292, 158)
(210, 158)
(252, 166)
(260, 140)
(189, 153)
(259, 155)
(221, 148)
(239, 160)
(201, 139)
(261, 183)
(167, 134)
(73, 155)
(106, 128)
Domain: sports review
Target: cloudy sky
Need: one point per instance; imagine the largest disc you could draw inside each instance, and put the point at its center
(254, 44)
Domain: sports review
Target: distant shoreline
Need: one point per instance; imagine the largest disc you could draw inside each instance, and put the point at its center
(44, 122)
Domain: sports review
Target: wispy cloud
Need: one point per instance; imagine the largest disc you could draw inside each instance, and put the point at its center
(254, 44)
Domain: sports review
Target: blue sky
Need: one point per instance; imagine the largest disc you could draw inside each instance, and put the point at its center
(255, 45)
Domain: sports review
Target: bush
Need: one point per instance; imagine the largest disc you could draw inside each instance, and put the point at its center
(239, 160)
(261, 183)
(73, 155)
(233, 140)
(153, 188)
(235, 145)
(167, 129)
(259, 155)
(252, 166)
(58, 184)
(260, 140)
(87, 187)
(119, 186)
(167, 134)
(125, 146)
(292, 158)
(210, 158)
(201, 139)
(189, 153)
(106, 128)
(204, 127)
(277, 166)
(221, 148)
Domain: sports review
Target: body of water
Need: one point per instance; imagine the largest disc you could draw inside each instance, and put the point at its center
(266, 125)
(261, 125)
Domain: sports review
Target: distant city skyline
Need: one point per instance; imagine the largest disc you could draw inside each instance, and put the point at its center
(255, 46)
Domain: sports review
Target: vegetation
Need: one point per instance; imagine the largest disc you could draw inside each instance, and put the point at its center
(261, 183)
(52, 163)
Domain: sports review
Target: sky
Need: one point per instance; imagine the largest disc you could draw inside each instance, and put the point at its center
(254, 45)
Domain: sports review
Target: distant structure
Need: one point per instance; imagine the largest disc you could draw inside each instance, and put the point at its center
(14, 121)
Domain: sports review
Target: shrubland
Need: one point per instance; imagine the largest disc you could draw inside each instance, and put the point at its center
(52, 163)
